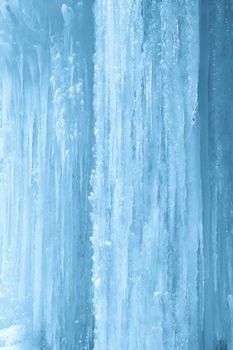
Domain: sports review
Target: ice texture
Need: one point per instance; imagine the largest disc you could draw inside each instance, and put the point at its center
(46, 124)
(116, 163)
(162, 184)
(147, 184)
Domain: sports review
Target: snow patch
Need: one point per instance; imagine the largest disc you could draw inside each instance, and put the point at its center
(15, 338)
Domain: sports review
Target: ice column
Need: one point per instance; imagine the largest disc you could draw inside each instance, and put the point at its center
(216, 110)
(46, 157)
(147, 211)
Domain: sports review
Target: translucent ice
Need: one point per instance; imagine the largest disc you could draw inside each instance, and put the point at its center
(116, 163)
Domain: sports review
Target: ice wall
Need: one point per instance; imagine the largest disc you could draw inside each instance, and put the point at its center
(115, 174)
(46, 151)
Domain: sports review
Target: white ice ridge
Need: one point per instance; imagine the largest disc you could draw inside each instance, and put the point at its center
(68, 14)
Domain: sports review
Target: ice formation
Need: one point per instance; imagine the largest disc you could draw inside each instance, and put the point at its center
(116, 163)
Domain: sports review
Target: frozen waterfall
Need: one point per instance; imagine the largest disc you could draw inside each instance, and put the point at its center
(116, 165)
